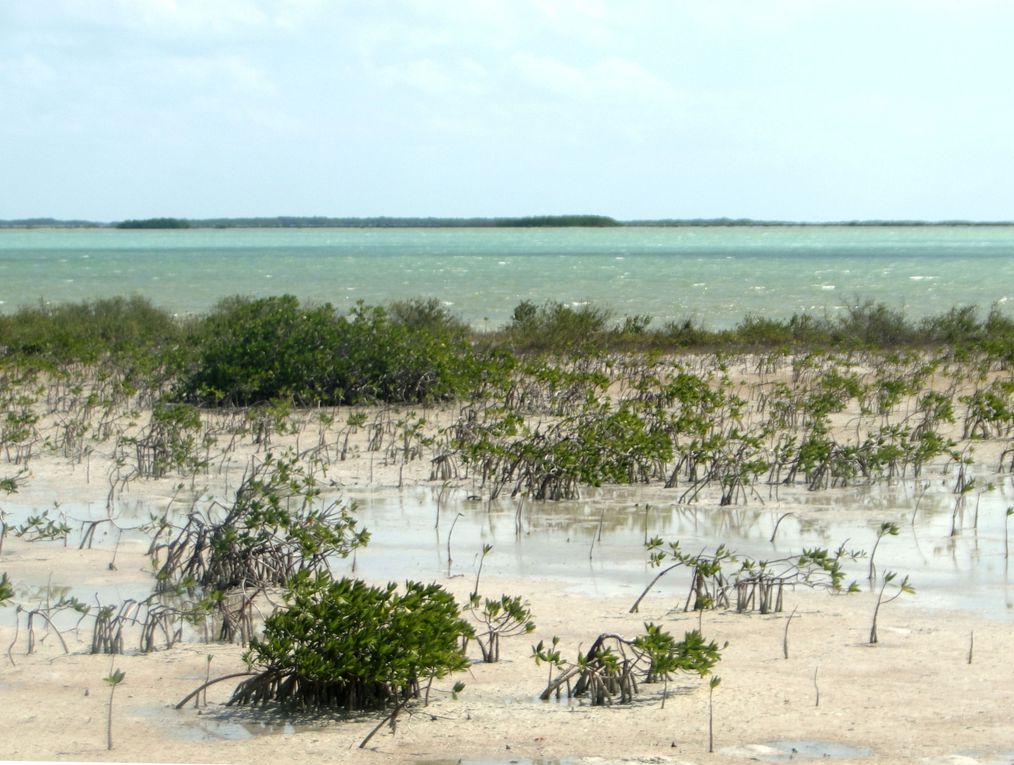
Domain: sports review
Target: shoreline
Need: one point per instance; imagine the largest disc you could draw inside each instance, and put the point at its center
(913, 697)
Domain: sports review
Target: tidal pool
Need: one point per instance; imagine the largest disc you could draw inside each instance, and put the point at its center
(956, 559)
(596, 545)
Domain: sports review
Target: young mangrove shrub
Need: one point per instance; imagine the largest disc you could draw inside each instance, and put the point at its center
(171, 442)
(499, 618)
(506, 617)
(39, 527)
(757, 585)
(277, 526)
(614, 666)
(344, 644)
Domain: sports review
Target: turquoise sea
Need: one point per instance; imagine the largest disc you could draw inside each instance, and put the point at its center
(713, 275)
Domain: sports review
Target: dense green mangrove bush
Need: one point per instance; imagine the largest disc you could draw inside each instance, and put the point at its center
(344, 644)
(250, 351)
(121, 328)
(558, 327)
(253, 351)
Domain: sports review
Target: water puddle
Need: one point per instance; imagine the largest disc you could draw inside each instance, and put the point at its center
(236, 724)
(792, 751)
(211, 728)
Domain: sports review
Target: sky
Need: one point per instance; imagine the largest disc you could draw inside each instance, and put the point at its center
(807, 110)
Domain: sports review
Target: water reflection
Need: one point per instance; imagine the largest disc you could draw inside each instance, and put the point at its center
(954, 552)
(596, 545)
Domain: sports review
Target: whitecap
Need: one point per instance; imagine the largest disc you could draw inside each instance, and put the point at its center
(922, 278)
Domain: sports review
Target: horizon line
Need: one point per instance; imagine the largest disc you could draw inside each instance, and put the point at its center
(581, 220)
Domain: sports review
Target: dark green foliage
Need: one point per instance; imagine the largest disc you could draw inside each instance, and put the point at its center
(557, 221)
(124, 328)
(427, 314)
(383, 359)
(155, 223)
(6, 590)
(251, 351)
(557, 327)
(344, 644)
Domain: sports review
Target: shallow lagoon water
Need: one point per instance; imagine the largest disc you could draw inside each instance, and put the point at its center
(715, 275)
(561, 541)
(595, 545)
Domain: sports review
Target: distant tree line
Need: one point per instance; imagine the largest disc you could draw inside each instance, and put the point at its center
(534, 221)
(155, 223)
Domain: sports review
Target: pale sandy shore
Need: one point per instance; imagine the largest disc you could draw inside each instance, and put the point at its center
(914, 697)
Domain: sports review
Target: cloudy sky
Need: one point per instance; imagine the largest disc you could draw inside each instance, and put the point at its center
(776, 109)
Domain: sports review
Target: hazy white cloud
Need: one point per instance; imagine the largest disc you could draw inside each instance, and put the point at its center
(229, 72)
(606, 79)
(435, 78)
(748, 105)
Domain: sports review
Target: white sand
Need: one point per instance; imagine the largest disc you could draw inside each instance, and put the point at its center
(912, 698)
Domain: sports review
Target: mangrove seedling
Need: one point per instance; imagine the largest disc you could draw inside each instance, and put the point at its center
(886, 529)
(903, 587)
(114, 679)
